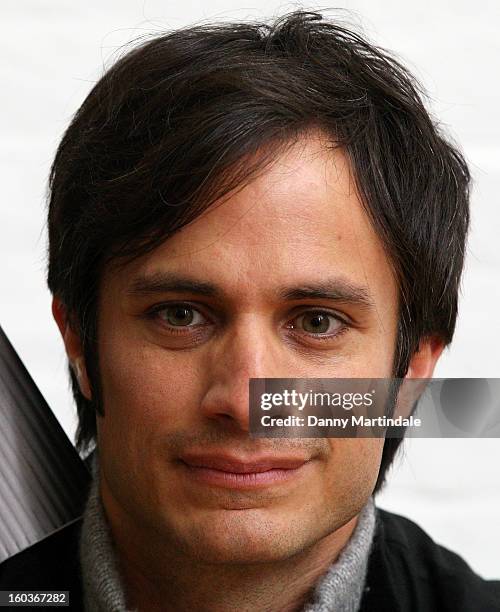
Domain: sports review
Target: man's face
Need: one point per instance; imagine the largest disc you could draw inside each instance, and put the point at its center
(287, 279)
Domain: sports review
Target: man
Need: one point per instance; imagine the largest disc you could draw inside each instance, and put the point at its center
(233, 202)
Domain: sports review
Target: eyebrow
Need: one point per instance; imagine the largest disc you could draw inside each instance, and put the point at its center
(335, 289)
(164, 282)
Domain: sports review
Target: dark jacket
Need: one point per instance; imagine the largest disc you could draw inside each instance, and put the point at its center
(407, 571)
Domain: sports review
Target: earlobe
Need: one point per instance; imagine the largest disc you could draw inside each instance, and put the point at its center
(72, 345)
(424, 360)
(81, 375)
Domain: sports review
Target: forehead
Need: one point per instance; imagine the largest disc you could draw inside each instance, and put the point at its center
(299, 220)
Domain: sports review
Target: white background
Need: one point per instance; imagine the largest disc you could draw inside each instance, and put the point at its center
(51, 54)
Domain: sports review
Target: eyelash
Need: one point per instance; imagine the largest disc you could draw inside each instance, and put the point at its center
(153, 313)
(323, 337)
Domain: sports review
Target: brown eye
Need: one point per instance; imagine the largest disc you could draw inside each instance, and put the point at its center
(181, 316)
(318, 322)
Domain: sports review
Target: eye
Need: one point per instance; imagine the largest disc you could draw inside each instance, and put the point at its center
(180, 315)
(318, 322)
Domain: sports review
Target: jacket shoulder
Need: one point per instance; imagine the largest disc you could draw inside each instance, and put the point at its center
(423, 575)
(51, 564)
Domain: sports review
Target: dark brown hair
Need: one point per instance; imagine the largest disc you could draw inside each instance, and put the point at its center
(164, 133)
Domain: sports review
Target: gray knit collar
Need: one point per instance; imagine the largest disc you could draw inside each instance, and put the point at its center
(340, 589)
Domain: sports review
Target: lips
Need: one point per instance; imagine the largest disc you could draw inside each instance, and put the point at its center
(237, 471)
(238, 465)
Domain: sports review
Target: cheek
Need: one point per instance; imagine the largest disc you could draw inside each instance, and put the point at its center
(145, 387)
(371, 356)
(353, 476)
(365, 455)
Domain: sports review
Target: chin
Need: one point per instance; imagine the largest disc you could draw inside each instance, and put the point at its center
(237, 550)
(247, 537)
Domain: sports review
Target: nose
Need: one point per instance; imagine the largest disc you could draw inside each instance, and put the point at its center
(247, 350)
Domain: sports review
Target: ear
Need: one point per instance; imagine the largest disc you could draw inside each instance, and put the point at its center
(424, 360)
(73, 346)
(420, 370)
